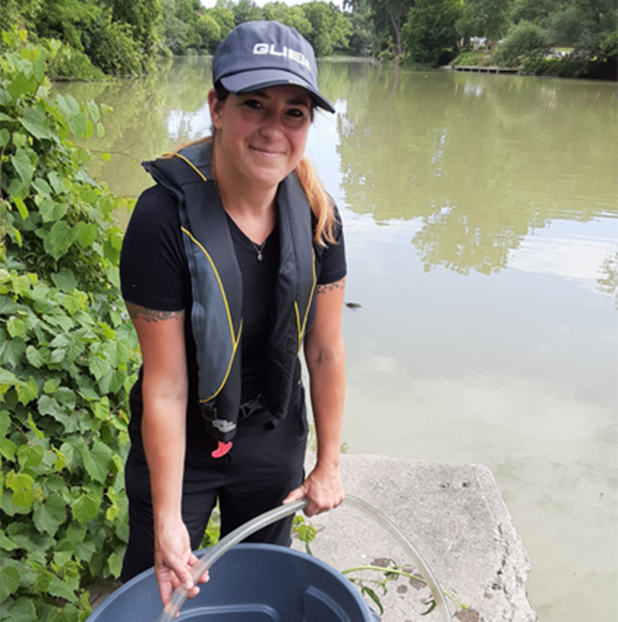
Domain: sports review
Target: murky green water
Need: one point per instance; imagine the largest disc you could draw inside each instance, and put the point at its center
(481, 217)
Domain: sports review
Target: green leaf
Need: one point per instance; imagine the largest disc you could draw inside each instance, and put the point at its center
(8, 449)
(50, 514)
(42, 187)
(51, 211)
(30, 455)
(93, 110)
(21, 207)
(67, 104)
(65, 280)
(86, 507)
(105, 157)
(8, 377)
(77, 125)
(49, 406)
(22, 84)
(63, 552)
(5, 422)
(51, 386)
(98, 461)
(23, 610)
(66, 397)
(115, 564)
(23, 165)
(38, 433)
(21, 485)
(16, 327)
(4, 137)
(86, 234)
(59, 239)
(85, 550)
(9, 582)
(56, 182)
(374, 597)
(27, 392)
(59, 588)
(35, 357)
(36, 123)
(11, 351)
(101, 408)
(98, 366)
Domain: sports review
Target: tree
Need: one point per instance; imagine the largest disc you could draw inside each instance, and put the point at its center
(393, 13)
(524, 42)
(179, 22)
(330, 29)
(363, 39)
(289, 15)
(486, 18)
(431, 31)
(144, 17)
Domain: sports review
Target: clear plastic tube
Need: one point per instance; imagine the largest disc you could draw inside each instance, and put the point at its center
(406, 545)
(212, 554)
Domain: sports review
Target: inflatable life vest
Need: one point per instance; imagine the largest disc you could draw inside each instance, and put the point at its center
(216, 285)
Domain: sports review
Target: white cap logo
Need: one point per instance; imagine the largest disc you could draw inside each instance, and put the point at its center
(270, 49)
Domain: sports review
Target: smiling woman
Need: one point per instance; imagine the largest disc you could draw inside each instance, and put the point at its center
(230, 264)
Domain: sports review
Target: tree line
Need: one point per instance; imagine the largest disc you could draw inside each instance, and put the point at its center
(118, 37)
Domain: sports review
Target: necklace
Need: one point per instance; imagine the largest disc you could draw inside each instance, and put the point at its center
(258, 248)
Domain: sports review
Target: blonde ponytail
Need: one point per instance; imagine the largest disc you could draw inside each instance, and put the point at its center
(321, 204)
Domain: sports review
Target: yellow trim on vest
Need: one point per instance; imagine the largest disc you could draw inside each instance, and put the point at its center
(235, 339)
(301, 328)
(197, 170)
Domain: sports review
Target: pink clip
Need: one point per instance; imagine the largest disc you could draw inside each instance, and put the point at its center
(222, 449)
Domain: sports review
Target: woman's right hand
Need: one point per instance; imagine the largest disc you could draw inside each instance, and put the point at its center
(174, 562)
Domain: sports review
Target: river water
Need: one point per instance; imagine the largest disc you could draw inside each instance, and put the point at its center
(481, 220)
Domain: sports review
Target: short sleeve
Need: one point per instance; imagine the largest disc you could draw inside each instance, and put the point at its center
(333, 264)
(153, 268)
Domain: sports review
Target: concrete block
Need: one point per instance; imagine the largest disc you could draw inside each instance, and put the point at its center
(454, 516)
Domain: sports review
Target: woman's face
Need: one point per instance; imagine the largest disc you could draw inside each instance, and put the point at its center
(261, 136)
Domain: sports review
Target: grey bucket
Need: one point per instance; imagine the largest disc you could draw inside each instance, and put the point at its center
(250, 583)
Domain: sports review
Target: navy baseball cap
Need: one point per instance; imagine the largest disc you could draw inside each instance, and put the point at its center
(258, 55)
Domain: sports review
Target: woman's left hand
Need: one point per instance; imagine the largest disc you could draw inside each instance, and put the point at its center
(323, 488)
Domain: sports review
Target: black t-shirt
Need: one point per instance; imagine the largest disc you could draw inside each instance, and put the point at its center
(154, 274)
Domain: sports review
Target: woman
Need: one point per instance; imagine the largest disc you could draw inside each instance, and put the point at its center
(232, 259)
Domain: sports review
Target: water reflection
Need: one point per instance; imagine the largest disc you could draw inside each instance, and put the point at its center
(482, 167)
(482, 237)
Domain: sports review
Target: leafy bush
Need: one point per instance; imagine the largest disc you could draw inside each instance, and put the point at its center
(71, 63)
(111, 47)
(67, 353)
(523, 42)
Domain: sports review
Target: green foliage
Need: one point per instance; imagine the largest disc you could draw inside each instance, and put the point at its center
(330, 29)
(486, 18)
(112, 48)
(305, 532)
(67, 353)
(524, 42)
(117, 37)
(70, 63)
(179, 25)
(430, 34)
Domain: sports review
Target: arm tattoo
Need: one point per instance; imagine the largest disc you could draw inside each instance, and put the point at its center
(150, 315)
(329, 287)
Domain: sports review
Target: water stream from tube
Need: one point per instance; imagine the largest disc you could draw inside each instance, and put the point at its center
(212, 554)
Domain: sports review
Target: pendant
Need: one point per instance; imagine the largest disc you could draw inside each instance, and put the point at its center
(259, 256)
